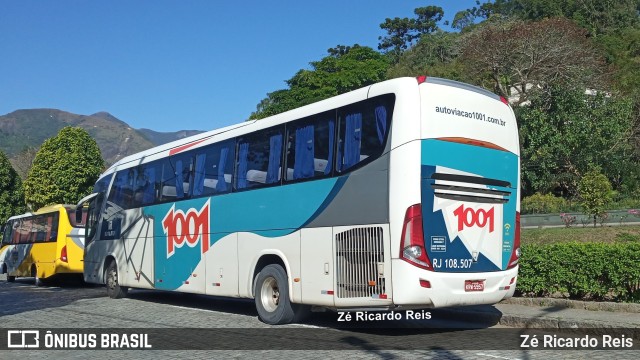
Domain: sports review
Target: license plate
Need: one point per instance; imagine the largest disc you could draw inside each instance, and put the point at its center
(473, 285)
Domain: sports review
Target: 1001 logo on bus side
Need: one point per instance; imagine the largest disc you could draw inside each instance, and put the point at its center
(190, 228)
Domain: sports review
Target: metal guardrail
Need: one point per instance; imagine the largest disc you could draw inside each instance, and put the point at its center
(614, 218)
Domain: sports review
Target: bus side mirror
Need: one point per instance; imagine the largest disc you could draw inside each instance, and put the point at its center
(79, 215)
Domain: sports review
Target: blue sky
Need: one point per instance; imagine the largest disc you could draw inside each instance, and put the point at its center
(173, 65)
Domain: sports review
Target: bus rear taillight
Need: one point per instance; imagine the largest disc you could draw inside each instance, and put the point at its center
(515, 252)
(412, 242)
(63, 254)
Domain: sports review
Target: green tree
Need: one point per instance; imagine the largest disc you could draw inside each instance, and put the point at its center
(565, 132)
(605, 16)
(464, 19)
(597, 16)
(64, 169)
(595, 194)
(623, 52)
(346, 68)
(11, 194)
(402, 32)
(435, 54)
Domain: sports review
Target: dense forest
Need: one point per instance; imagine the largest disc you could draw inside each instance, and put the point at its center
(570, 69)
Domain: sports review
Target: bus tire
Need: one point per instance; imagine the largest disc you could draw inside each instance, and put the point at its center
(4, 271)
(272, 296)
(114, 290)
(34, 274)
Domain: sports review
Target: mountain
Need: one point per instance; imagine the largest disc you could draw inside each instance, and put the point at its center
(166, 137)
(30, 128)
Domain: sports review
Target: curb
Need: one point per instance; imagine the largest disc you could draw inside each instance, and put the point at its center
(510, 317)
(522, 321)
(575, 304)
(551, 323)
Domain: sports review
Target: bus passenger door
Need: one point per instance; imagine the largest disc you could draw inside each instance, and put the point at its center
(316, 266)
(92, 255)
(138, 249)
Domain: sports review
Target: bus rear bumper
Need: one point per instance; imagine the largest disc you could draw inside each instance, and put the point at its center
(63, 267)
(448, 289)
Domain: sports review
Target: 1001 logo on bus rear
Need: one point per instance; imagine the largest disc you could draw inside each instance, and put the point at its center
(190, 228)
(468, 217)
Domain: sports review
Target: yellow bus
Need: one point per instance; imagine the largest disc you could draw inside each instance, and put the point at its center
(42, 244)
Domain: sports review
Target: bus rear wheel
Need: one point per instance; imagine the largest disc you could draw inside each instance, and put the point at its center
(114, 290)
(9, 277)
(271, 291)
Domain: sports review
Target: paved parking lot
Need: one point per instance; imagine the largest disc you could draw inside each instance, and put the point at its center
(195, 321)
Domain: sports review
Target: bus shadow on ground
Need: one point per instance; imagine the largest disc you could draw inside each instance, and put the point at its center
(56, 292)
(59, 282)
(444, 331)
(396, 322)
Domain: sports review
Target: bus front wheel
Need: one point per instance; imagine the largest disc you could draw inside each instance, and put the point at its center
(114, 290)
(272, 296)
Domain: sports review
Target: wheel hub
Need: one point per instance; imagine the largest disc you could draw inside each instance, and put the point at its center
(270, 294)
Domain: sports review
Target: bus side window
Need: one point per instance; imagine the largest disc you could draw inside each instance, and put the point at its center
(363, 131)
(92, 217)
(7, 233)
(25, 230)
(94, 207)
(121, 191)
(223, 169)
(176, 177)
(259, 159)
(145, 185)
(214, 169)
(52, 227)
(39, 228)
(15, 239)
(310, 146)
(167, 182)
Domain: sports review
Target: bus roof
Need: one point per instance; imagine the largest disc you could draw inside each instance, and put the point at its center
(42, 210)
(461, 85)
(194, 139)
(240, 129)
(20, 216)
(52, 208)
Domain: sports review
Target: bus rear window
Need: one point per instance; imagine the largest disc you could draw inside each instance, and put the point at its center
(72, 217)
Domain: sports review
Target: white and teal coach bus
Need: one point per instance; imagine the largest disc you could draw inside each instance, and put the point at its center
(400, 195)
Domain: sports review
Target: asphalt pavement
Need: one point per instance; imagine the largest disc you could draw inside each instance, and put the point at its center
(543, 313)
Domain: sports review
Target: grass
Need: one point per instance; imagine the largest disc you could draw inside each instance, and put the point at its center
(606, 234)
